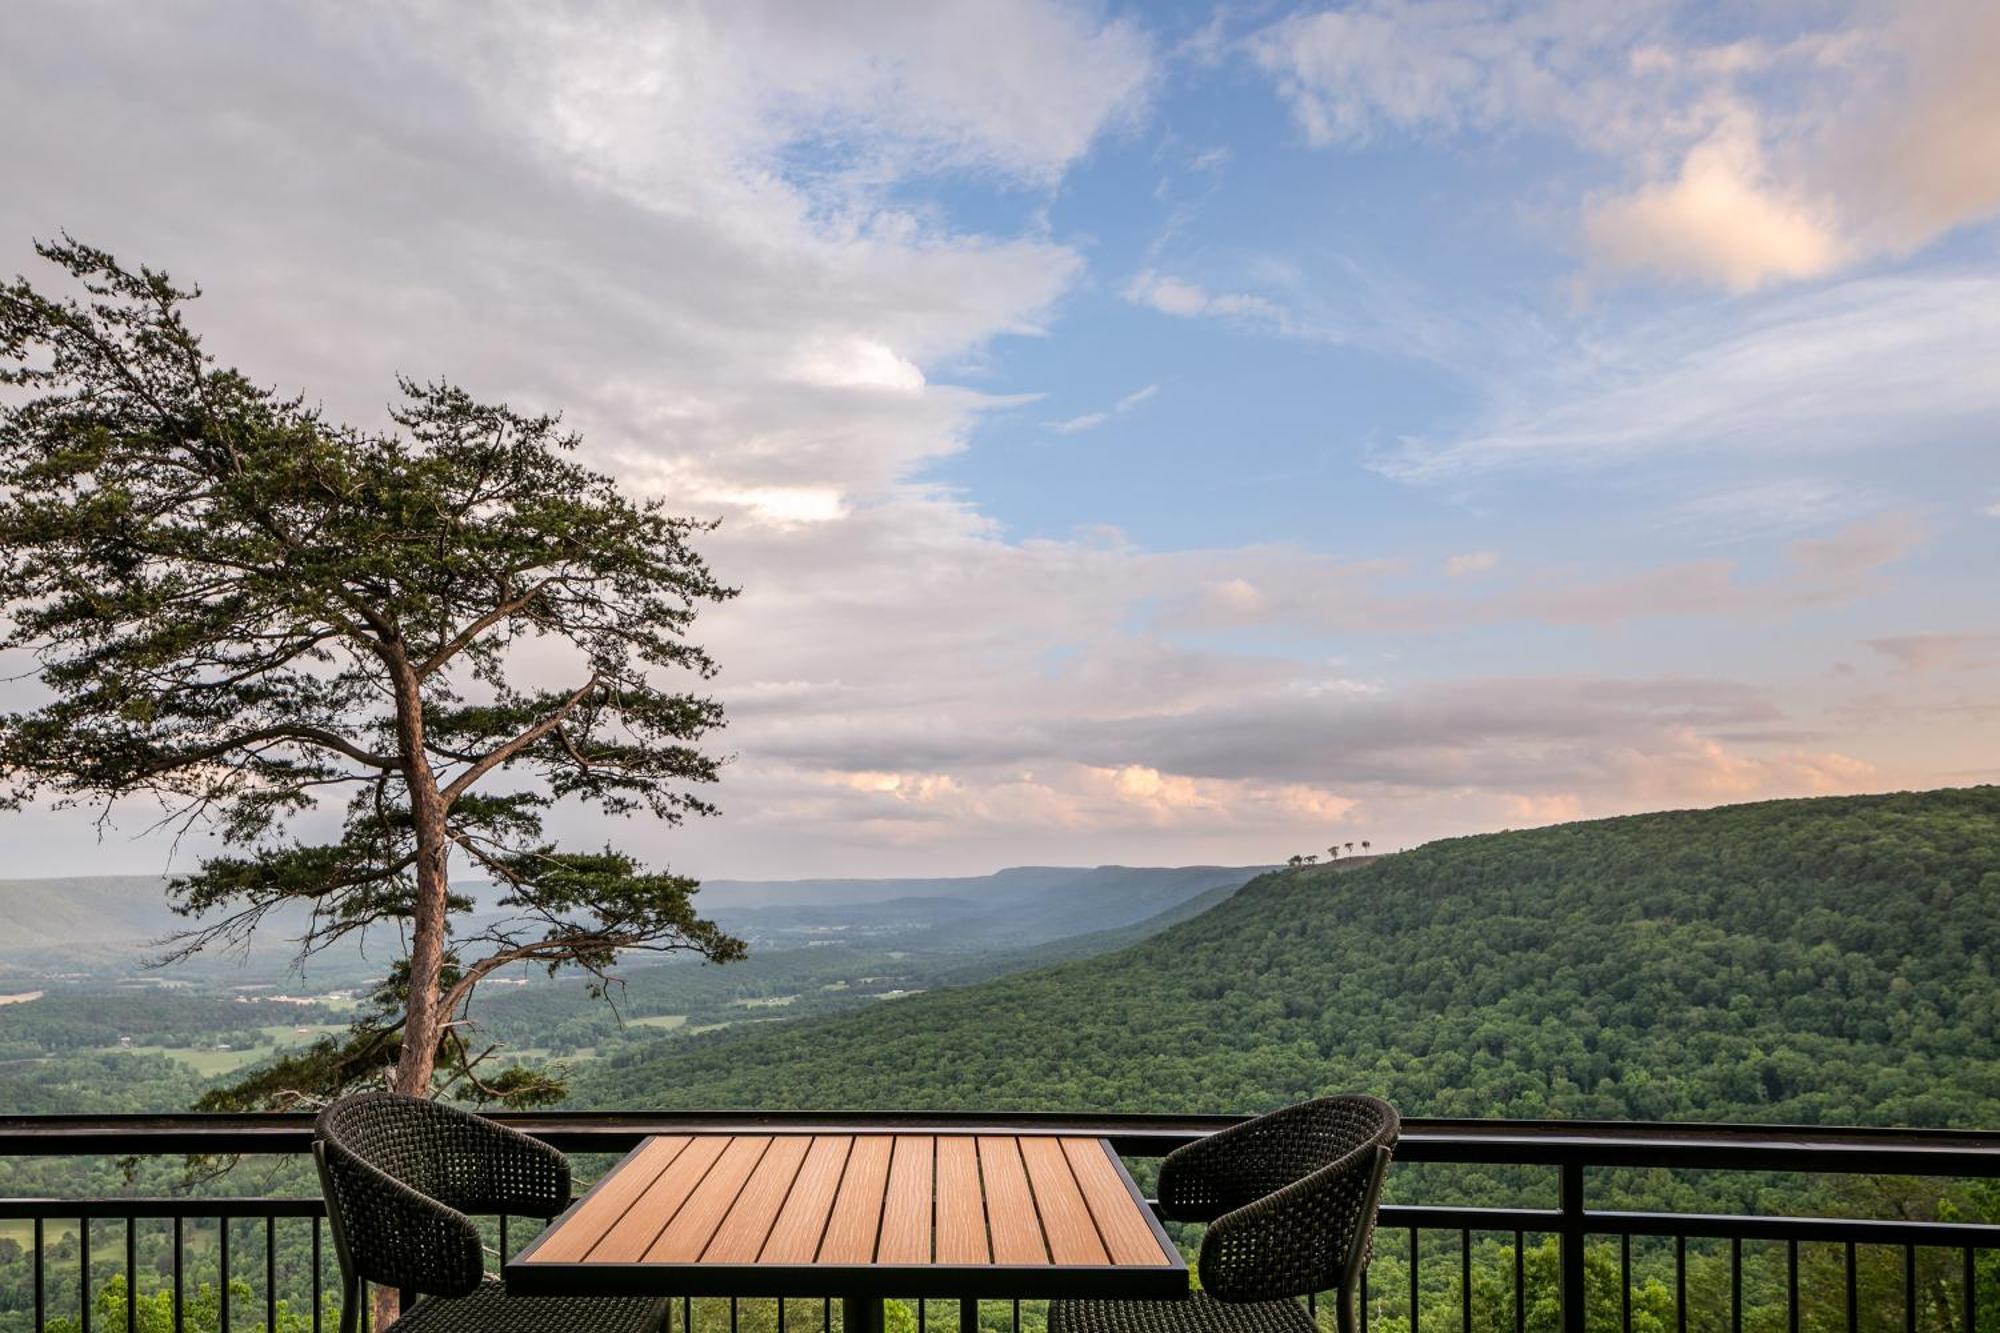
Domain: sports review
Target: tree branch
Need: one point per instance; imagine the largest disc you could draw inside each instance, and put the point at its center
(506, 750)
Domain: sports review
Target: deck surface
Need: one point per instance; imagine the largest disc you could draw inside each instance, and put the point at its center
(841, 1208)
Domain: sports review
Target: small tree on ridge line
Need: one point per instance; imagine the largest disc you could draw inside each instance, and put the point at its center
(240, 610)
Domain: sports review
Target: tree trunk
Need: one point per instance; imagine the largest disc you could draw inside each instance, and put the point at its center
(421, 1026)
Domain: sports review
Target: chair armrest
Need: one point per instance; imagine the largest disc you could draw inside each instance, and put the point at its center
(1201, 1181)
(1311, 1235)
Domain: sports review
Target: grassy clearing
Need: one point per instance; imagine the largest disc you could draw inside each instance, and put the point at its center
(209, 1062)
(658, 1021)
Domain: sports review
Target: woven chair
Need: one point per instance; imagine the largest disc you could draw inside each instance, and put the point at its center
(401, 1174)
(1289, 1199)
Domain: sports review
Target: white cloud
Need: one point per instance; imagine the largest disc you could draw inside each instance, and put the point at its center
(1092, 420)
(1177, 296)
(605, 212)
(1861, 364)
(1719, 220)
(1473, 562)
(1819, 571)
(1748, 162)
(1921, 653)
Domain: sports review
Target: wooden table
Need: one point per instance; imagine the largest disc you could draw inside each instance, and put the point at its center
(861, 1217)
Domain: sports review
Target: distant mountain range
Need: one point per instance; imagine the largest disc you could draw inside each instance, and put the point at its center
(99, 923)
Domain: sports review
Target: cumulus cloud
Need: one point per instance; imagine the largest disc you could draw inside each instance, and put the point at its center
(1749, 162)
(1719, 220)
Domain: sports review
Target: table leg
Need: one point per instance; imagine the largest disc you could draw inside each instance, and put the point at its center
(861, 1314)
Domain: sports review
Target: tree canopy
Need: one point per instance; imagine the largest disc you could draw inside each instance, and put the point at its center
(1823, 961)
(245, 614)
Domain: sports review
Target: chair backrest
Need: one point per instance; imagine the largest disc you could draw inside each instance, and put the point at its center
(396, 1172)
(1321, 1166)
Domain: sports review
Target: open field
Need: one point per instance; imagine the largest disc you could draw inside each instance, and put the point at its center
(210, 1062)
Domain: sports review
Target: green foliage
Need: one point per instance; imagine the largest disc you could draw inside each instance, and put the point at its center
(153, 1312)
(1823, 961)
(242, 610)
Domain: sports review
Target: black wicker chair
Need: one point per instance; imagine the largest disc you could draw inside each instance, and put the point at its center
(401, 1174)
(1289, 1199)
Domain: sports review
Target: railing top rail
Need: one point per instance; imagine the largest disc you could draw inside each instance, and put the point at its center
(1532, 1142)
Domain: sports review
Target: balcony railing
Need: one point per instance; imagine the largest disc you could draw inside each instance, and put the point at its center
(1592, 1246)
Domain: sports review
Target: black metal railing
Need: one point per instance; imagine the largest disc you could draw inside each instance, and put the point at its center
(1677, 1270)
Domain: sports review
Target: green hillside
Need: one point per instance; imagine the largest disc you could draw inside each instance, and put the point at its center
(1818, 960)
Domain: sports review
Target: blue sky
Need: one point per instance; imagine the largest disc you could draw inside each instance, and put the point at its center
(1155, 433)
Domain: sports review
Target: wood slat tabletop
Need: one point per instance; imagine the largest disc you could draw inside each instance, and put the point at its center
(906, 1214)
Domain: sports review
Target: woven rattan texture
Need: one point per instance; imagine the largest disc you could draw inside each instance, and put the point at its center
(402, 1173)
(489, 1309)
(1200, 1313)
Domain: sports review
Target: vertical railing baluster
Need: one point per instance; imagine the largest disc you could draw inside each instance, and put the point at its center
(83, 1272)
(503, 1238)
(1909, 1289)
(41, 1295)
(826, 1315)
(1680, 1284)
(131, 1275)
(1364, 1301)
(270, 1274)
(1735, 1284)
(1625, 1283)
(1973, 1293)
(968, 1316)
(687, 1314)
(1792, 1286)
(1853, 1293)
(180, 1275)
(1520, 1284)
(222, 1278)
(1017, 1317)
(1465, 1279)
(1413, 1279)
(1570, 1258)
(781, 1314)
(921, 1303)
(318, 1287)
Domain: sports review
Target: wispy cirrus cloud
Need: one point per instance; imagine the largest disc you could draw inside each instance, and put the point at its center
(1092, 420)
(1171, 295)
(1860, 364)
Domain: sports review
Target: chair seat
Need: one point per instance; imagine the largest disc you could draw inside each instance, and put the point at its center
(1199, 1313)
(491, 1310)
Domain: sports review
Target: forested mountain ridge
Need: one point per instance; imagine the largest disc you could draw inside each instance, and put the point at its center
(1825, 960)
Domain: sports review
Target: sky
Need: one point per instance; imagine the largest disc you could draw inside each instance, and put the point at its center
(1151, 434)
